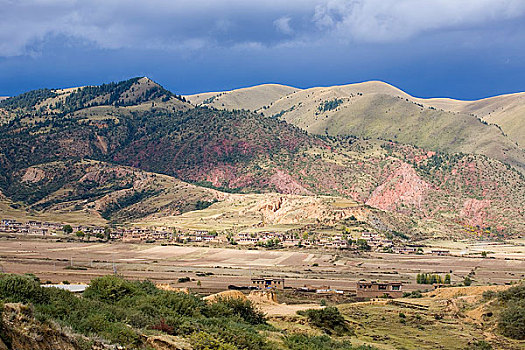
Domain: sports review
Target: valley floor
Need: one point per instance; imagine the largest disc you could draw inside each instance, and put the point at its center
(212, 269)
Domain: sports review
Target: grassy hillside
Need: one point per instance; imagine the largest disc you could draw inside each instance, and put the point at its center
(378, 110)
(379, 115)
(506, 111)
(251, 98)
(449, 318)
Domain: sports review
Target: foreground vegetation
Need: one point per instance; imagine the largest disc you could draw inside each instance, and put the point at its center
(127, 312)
(512, 318)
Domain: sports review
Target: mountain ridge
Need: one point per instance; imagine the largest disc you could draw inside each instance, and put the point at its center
(393, 114)
(138, 124)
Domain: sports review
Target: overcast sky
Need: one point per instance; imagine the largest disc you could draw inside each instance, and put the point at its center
(457, 48)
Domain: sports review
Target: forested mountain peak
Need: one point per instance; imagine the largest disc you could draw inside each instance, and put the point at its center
(129, 92)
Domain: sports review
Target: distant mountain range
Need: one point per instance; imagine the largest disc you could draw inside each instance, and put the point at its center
(132, 151)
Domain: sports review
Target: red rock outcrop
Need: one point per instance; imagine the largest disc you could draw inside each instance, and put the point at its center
(33, 175)
(284, 183)
(403, 186)
(474, 211)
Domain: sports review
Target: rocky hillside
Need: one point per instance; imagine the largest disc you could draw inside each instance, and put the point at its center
(20, 330)
(102, 150)
(103, 191)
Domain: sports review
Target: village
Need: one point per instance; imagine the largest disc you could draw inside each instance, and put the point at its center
(360, 241)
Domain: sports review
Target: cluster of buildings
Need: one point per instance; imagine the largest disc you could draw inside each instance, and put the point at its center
(30, 227)
(41, 228)
(265, 238)
(338, 241)
(364, 289)
(374, 241)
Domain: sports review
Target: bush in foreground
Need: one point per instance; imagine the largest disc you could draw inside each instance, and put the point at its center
(229, 307)
(121, 311)
(21, 289)
(307, 342)
(329, 319)
(512, 318)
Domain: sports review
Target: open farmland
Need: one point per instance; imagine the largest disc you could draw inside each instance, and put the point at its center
(213, 269)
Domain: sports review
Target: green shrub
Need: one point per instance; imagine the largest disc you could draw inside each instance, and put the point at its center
(232, 331)
(512, 320)
(323, 342)
(174, 303)
(329, 319)
(481, 345)
(413, 294)
(515, 293)
(489, 294)
(24, 289)
(109, 289)
(227, 307)
(207, 341)
(467, 281)
(512, 317)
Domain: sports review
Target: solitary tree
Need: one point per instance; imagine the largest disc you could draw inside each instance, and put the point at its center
(80, 234)
(107, 232)
(363, 245)
(67, 229)
(467, 281)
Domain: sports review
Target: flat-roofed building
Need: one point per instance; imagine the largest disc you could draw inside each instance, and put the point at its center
(440, 252)
(268, 283)
(374, 289)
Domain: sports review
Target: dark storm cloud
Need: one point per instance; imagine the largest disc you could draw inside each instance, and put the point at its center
(115, 24)
(197, 24)
(434, 47)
